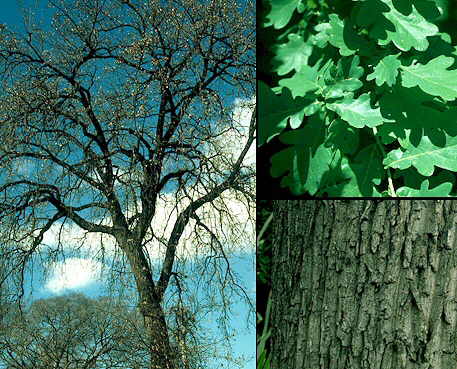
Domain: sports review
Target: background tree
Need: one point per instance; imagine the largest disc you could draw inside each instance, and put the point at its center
(70, 332)
(75, 331)
(114, 107)
(364, 284)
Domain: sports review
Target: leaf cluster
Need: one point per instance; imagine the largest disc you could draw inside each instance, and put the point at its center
(359, 100)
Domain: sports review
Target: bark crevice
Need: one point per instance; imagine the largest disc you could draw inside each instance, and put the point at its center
(364, 284)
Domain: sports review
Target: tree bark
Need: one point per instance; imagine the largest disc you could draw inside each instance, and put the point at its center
(364, 284)
(162, 356)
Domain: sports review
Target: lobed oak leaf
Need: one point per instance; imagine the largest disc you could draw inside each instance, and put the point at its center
(386, 71)
(280, 12)
(425, 156)
(358, 112)
(442, 190)
(291, 55)
(433, 78)
(277, 110)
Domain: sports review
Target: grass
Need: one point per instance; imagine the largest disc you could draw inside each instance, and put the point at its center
(263, 355)
(263, 275)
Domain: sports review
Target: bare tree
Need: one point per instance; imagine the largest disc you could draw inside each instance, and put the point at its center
(64, 332)
(118, 104)
(75, 331)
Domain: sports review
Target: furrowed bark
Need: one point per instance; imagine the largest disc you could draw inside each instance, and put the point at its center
(364, 284)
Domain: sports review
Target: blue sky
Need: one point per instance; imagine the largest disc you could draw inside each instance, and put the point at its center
(10, 13)
(86, 282)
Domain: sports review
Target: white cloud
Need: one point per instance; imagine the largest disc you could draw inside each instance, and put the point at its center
(73, 273)
(229, 145)
(73, 237)
(227, 217)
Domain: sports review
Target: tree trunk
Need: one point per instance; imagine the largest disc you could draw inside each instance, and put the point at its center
(162, 356)
(364, 284)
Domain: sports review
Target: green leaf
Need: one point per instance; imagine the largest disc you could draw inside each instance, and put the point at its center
(415, 114)
(343, 137)
(276, 110)
(428, 8)
(306, 168)
(402, 126)
(358, 112)
(359, 176)
(330, 81)
(425, 156)
(407, 29)
(340, 34)
(344, 79)
(433, 77)
(443, 190)
(386, 71)
(336, 35)
(306, 162)
(281, 12)
(411, 30)
(320, 39)
(413, 179)
(291, 55)
(304, 81)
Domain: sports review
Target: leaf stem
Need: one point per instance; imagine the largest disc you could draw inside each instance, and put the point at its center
(389, 175)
